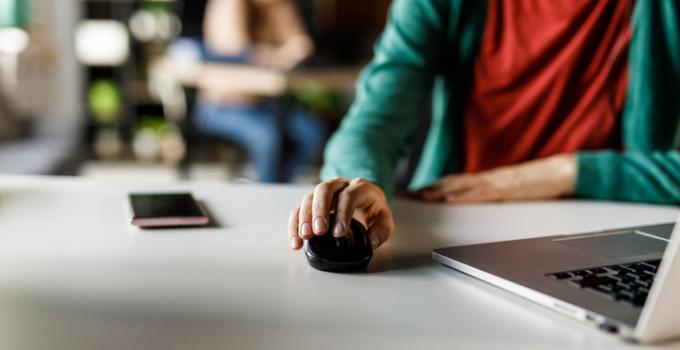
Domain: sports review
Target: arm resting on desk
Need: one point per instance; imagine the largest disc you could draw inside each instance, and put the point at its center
(650, 170)
(632, 176)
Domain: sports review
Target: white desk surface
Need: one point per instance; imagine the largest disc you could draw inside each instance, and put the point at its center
(75, 275)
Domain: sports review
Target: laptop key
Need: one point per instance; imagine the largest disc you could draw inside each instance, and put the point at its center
(632, 275)
(639, 267)
(625, 295)
(562, 275)
(593, 281)
(627, 279)
(653, 263)
(628, 267)
(582, 273)
(616, 269)
(625, 285)
(642, 267)
(597, 271)
(608, 288)
(646, 284)
(649, 273)
(639, 299)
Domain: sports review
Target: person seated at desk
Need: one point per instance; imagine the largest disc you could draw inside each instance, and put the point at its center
(266, 33)
(533, 100)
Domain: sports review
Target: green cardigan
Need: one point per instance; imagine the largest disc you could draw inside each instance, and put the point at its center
(430, 46)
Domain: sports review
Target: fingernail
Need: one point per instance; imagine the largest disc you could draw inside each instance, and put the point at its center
(374, 242)
(339, 229)
(294, 242)
(306, 230)
(319, 225)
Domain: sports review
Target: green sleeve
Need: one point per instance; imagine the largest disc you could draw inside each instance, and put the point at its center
(649, 171)
(392, 93)
(652, 177)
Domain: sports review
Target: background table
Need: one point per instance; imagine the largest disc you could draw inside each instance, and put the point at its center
(240, 79)
(75, 275)
(229, 80)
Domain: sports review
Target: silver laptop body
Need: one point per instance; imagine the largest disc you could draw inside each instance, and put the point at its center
(564, 273)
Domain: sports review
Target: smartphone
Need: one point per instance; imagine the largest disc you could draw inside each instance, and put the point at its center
(150, 210)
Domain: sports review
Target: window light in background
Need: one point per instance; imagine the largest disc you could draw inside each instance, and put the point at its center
(13, 40)
(102, 43)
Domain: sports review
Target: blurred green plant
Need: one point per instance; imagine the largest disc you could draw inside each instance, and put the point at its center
(322, 102)
(104, 101)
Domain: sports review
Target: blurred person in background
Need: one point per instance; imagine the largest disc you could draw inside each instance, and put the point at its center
(266, 33)
(27, 71)
(533, 100)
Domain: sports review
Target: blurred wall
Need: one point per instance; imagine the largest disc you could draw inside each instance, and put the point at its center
(58, 20)
(347, 29)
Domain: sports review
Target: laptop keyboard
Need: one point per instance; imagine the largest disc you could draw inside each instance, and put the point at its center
(628, 283)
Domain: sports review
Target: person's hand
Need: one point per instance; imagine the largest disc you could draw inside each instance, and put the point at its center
(356, 198)
(547, 178)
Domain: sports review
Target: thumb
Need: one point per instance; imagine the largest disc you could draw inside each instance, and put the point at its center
(380, 229)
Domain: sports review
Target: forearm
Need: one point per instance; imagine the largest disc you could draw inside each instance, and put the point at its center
(392, 93)
(652, 177)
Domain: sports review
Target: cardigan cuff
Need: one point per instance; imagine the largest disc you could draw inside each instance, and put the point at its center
(596, 176)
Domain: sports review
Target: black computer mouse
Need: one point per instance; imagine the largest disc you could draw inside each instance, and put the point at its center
(340, 254)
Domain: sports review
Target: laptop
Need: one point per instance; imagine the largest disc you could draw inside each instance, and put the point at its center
(624, 281)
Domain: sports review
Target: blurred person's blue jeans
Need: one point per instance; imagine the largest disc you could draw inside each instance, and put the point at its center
(255, 129)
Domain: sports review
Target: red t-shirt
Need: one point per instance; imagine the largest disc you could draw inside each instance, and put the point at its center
(550, 78)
